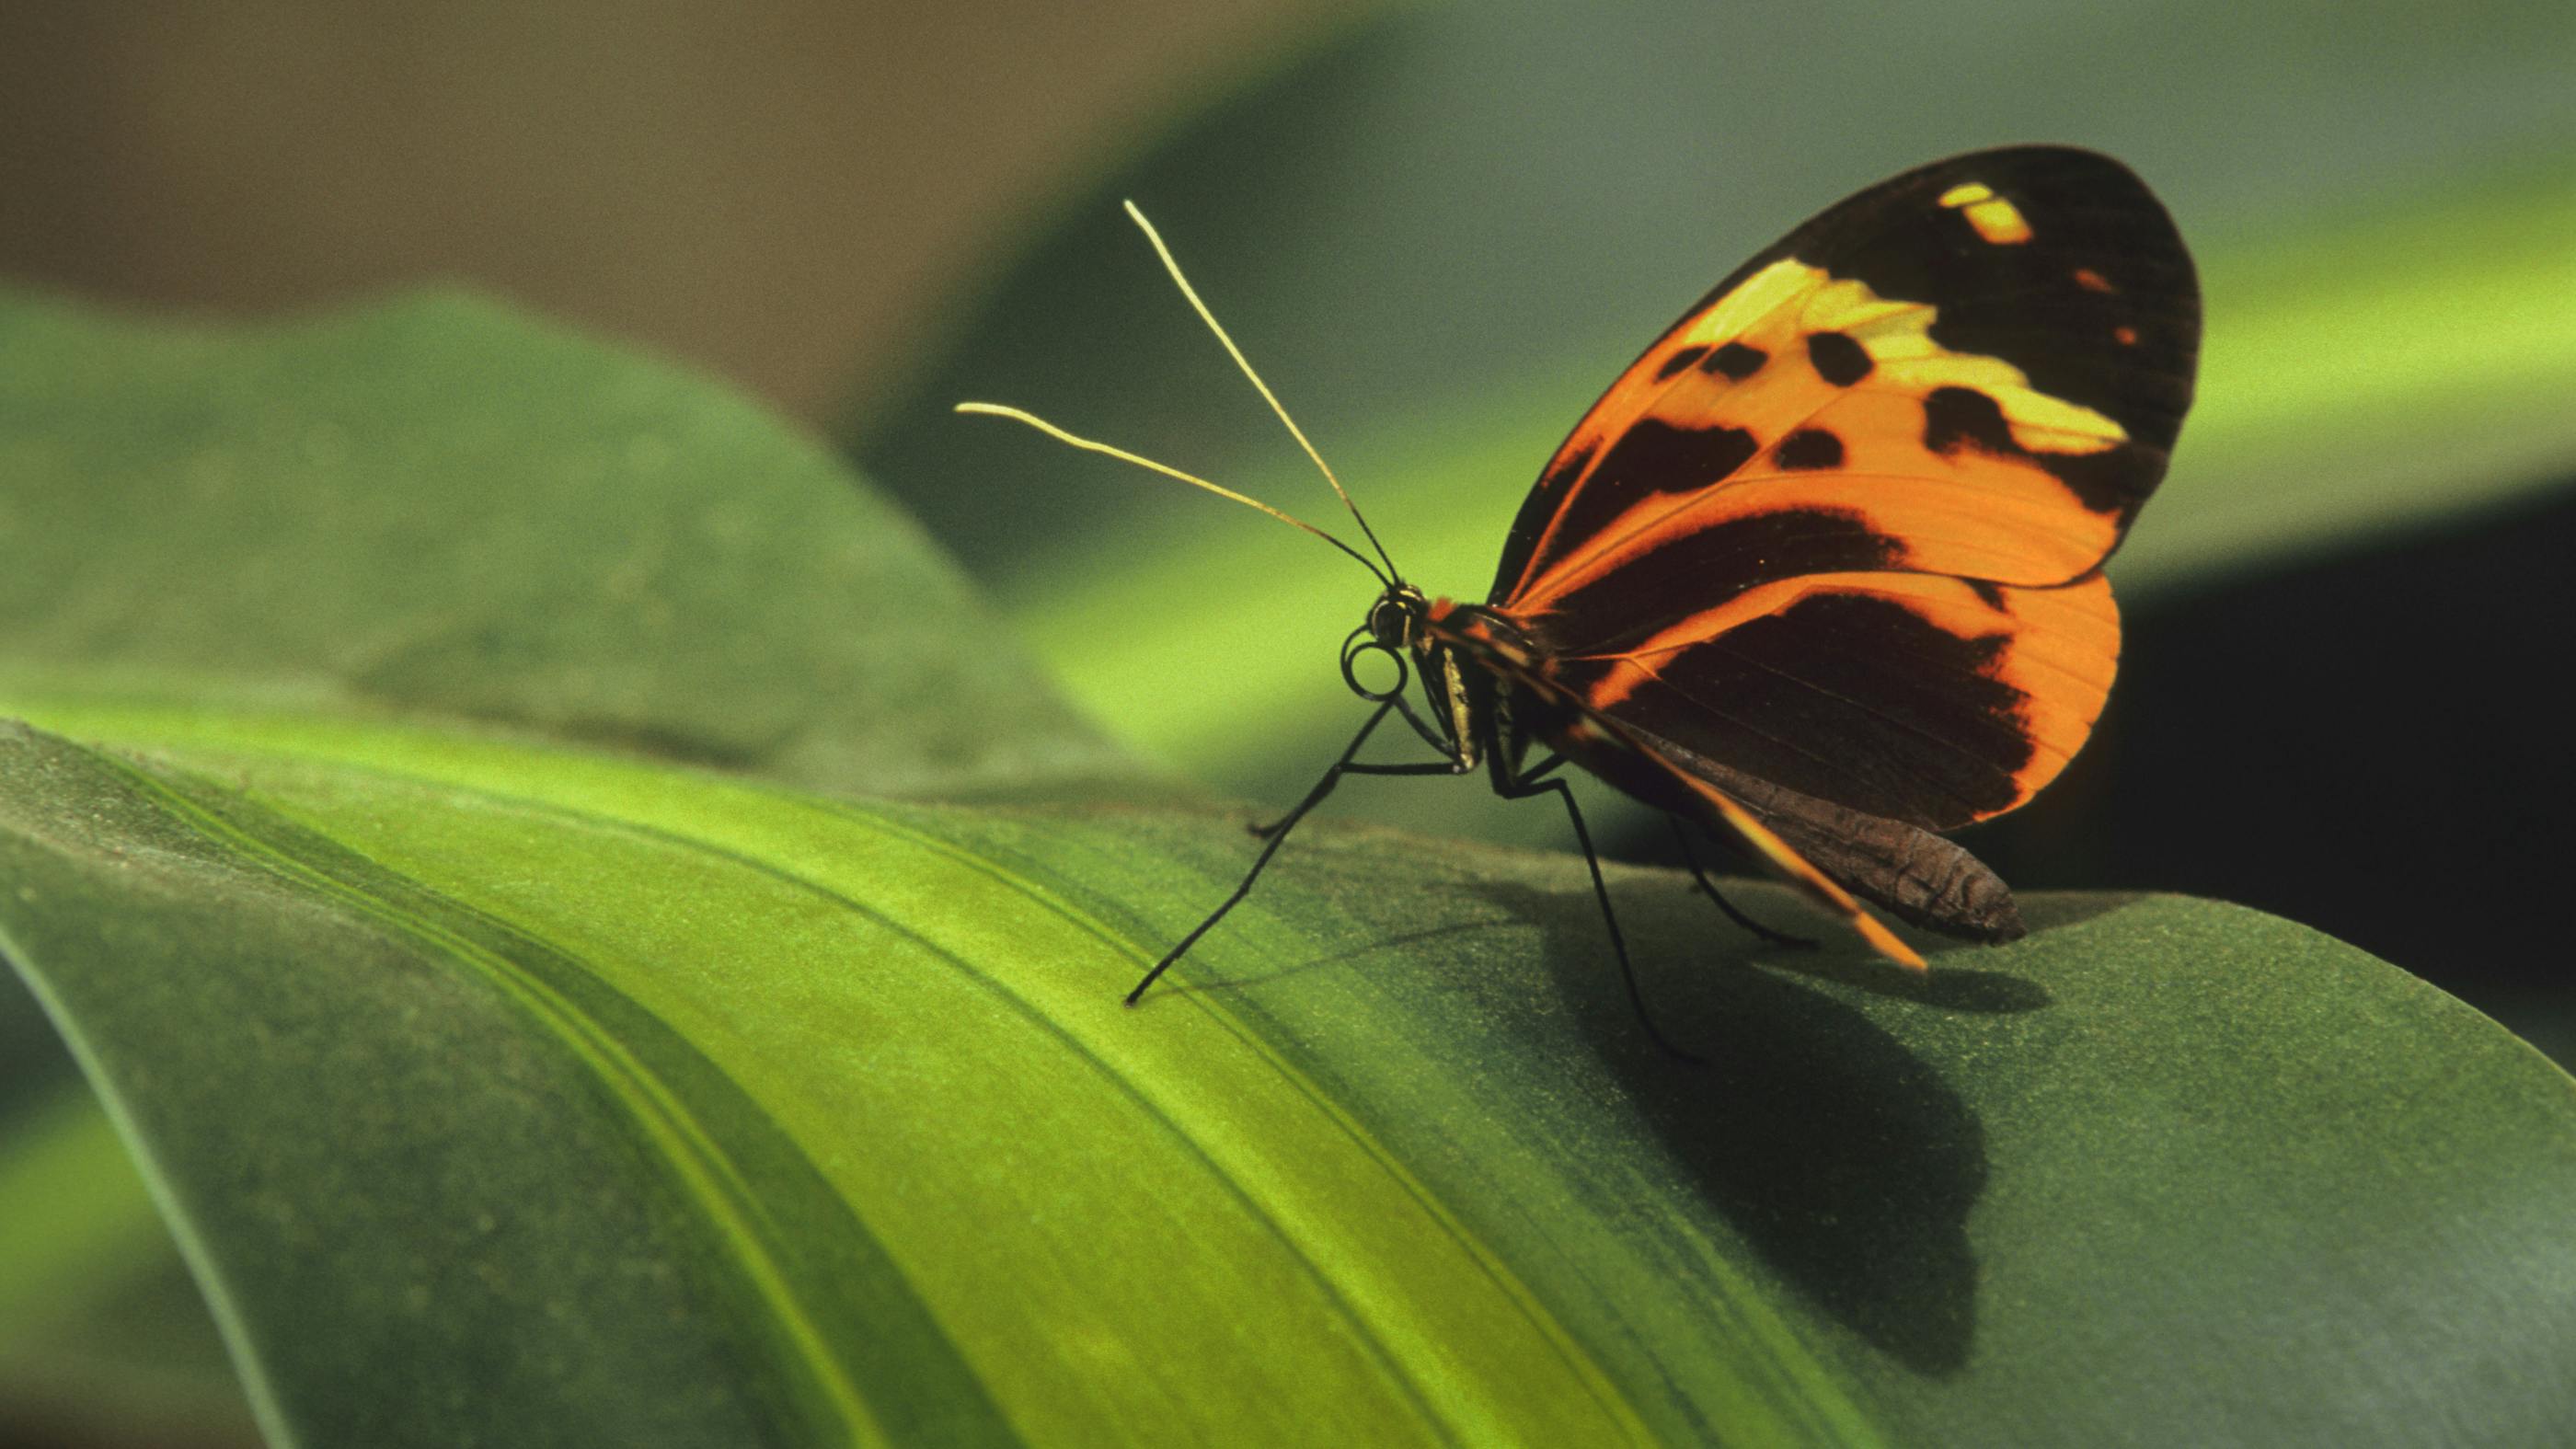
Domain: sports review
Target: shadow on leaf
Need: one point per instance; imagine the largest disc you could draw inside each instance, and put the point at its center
(1842, 1158)
(1949, 987)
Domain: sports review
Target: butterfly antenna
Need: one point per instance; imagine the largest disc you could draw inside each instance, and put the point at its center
(1174, 267)
(997, 410)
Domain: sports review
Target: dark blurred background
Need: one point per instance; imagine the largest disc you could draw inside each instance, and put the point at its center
(1440, 231)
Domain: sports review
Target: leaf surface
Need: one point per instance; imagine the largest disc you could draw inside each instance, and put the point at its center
(507, 1077)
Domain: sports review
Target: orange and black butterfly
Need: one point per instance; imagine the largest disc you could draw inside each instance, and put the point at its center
(1821, 571)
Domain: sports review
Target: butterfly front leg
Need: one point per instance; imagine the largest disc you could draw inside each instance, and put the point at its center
(1277, 834)
(1454, 762)
(1459, 749)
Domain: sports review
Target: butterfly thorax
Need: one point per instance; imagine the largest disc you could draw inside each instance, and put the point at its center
(1484, 631)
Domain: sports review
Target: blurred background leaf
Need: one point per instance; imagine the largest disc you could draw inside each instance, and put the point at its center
(364, 540)
(104, 1337)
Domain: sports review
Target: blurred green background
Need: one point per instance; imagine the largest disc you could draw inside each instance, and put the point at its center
(1439, 231)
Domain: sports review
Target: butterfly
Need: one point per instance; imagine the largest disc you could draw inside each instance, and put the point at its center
(1821, 572)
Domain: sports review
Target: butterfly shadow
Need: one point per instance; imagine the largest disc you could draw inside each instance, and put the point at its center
(1843, 1159)
(1375, 949)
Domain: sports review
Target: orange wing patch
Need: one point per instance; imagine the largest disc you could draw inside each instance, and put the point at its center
(1798, 390)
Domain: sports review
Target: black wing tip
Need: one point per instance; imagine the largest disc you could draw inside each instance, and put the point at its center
(2093, 215)
(2045, 160)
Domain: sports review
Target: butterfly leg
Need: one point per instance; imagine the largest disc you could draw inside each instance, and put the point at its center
(1277, 835)
(1681, 837)
(1531, 783)
(1260, 830)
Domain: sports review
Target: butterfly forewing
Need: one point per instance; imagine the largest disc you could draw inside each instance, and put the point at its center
(1998, 333)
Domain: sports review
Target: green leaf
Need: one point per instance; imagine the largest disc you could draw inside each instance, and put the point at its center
(561, 1094)
(510, 1078)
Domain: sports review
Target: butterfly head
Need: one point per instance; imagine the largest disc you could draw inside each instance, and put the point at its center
(1396, 627)
(1395, 620)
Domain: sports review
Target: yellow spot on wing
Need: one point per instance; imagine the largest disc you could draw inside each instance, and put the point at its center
(1908, 357)
(1995, 219)
(1998, 222)
(1754, 298)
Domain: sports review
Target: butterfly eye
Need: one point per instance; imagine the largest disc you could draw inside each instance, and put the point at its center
(1390, 624)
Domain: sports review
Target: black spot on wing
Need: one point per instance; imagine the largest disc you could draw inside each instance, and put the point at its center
(2111, 481)
(1681, 360)
(1809, 449)
(1837, 358)
(1962, 417)
(2114, 481)
(1655, 456)
(1988, 593)
(1652, 457)
(1692, 569)
(1736, 361)
(1852, 698)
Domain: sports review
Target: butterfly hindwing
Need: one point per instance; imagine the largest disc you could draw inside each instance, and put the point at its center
(1838, 529)
(1928, 699)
